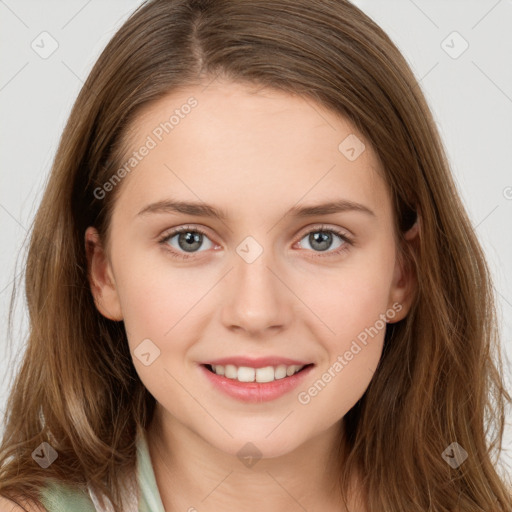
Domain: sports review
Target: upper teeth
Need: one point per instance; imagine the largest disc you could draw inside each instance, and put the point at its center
(247, 374)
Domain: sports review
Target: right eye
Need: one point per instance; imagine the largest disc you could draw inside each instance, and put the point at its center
(188, 239)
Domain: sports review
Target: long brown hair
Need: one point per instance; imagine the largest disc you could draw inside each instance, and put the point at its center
(439, 380)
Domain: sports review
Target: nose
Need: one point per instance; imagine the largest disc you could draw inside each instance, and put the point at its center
(258, 300)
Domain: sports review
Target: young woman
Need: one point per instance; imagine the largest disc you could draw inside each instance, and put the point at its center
(252, 282)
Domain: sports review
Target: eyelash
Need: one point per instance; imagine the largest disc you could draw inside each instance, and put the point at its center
(186, 229)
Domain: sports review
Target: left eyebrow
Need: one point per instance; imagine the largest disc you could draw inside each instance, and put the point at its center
(205, 210)
(342, 205)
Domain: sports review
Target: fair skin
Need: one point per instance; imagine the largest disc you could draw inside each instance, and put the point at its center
(254, 154)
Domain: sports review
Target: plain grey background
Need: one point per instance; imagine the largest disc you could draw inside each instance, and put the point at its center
(459, 50)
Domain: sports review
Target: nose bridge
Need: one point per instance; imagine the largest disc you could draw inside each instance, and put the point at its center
(257, 298)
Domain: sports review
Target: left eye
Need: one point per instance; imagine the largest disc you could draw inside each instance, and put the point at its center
(322, 240)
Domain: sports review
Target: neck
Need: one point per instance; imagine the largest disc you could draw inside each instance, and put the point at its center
(190, 472)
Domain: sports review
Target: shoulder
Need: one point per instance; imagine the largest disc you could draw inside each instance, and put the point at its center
(60, 497)
(7, 505)
(55, 497)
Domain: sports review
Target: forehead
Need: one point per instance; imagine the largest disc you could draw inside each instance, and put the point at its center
(235, 145)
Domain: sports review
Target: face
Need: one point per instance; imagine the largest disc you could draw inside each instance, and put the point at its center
(271, 280)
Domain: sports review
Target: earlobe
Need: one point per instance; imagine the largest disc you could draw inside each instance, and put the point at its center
(414, 230)
(101, 279)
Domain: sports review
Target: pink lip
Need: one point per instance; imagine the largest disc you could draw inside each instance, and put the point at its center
(255, 392)
(257, 362)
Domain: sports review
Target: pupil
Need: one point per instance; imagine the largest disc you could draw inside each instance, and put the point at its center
(193, 241)
(323, 238)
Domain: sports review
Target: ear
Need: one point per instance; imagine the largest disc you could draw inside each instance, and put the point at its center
(404, 285)
(101, 277)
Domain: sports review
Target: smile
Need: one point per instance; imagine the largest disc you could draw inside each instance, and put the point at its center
(255, 385)
(248, 374)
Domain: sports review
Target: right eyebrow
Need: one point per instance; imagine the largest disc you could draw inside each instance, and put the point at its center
(187, 208)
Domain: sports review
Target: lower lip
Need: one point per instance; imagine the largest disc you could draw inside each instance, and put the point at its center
(255, 392)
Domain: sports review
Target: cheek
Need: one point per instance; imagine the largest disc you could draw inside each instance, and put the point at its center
(148, 310)
(351, 297)
(352, 353)
(159, 322)
(351, 303)
(154, 295)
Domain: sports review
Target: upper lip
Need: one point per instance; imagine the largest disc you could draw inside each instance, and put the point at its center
(257, 362)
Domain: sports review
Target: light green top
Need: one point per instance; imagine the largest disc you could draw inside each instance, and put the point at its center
(62, 498)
